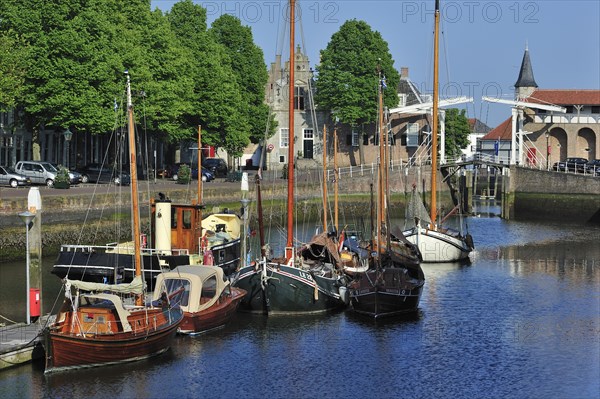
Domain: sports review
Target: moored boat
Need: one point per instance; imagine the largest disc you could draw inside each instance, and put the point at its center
(299, 281)
(394, 280)
(208, 300)
(436, 243)
(97, 327)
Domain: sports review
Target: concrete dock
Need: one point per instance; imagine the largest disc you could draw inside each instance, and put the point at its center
(20, 343)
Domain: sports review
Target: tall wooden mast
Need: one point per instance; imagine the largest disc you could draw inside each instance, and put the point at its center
(324, 178)
(199, 165)
(289, 251)
(135, 209)
(335, 182)
(199, 220)
(381, 172)
(434, 128)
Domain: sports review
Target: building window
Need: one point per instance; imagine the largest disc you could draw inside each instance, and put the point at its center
(595, 109)
(282, 159)
(299, 98)
(187, 219)
(402, 100)
(570, 109)
(412, 134)
(284, 137)
(308, 134)
(355, 137)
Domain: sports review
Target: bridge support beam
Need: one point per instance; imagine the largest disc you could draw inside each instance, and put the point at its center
(508, 196)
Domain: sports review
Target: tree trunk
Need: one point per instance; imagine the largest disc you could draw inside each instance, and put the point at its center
(361, 149)
(35, 144)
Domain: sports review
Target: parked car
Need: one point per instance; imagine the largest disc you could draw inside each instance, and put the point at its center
(572, 164)
(8, 177)
(173, 172)
(74, 176)
(96, 173)
(142, 173)
(593, 167)
(38, 172)
(217, 166)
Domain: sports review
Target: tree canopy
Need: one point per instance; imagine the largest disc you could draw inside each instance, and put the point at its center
(13, 61)
(457, 131)
(237, 41)
(62, 64)
(347, 74)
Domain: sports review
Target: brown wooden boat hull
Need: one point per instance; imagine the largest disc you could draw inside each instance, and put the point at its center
(214, 317)
(68, 351)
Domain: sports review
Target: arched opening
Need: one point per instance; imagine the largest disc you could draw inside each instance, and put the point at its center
(557, 145)
(586, 143)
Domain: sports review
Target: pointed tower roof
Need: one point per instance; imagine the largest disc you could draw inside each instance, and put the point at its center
(526, 78)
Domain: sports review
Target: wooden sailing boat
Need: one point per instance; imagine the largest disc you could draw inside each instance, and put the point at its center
(296, 282)
(97, 327)
(394, 281)
(437, 244)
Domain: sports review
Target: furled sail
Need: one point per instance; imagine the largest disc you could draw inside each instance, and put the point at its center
(136, 286)
(416, 209)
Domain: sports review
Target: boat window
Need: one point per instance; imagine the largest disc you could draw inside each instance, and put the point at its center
(175, 285)
(187, 219)
(221, 255)
(209, 289)
(226, 291)
(173, 218)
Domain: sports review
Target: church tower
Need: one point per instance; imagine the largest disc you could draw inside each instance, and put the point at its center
(526, 83)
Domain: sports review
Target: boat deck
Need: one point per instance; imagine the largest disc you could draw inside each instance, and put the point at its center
(17, 342)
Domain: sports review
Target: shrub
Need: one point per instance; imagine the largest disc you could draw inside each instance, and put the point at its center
(184, 175)
(62, 178)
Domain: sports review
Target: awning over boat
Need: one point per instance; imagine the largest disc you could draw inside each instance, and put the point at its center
(322, 247)
(135, 287)
(118, 305)
(194, 279)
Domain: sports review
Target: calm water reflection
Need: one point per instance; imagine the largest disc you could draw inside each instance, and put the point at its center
(520, 321)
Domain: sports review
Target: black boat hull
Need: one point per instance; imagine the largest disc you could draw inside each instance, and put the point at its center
(385, 293)
(289, 290)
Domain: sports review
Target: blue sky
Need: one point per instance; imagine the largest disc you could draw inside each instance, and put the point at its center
(482, 42)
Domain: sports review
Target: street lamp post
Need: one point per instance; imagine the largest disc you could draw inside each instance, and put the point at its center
(27, 217)
(547, 151)
(68, 135)
(245, 203)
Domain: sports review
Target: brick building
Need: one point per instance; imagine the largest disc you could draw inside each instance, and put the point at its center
(541, 134)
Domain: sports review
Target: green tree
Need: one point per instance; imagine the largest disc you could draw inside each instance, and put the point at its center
(69, 67)
(216, 99)
(247, 62)
(347, 75)
(457, 132)
(14, 53)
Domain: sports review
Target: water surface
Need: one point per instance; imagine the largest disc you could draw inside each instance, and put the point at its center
(520, 321)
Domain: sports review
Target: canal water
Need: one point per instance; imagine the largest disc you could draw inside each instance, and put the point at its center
(520, 321)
